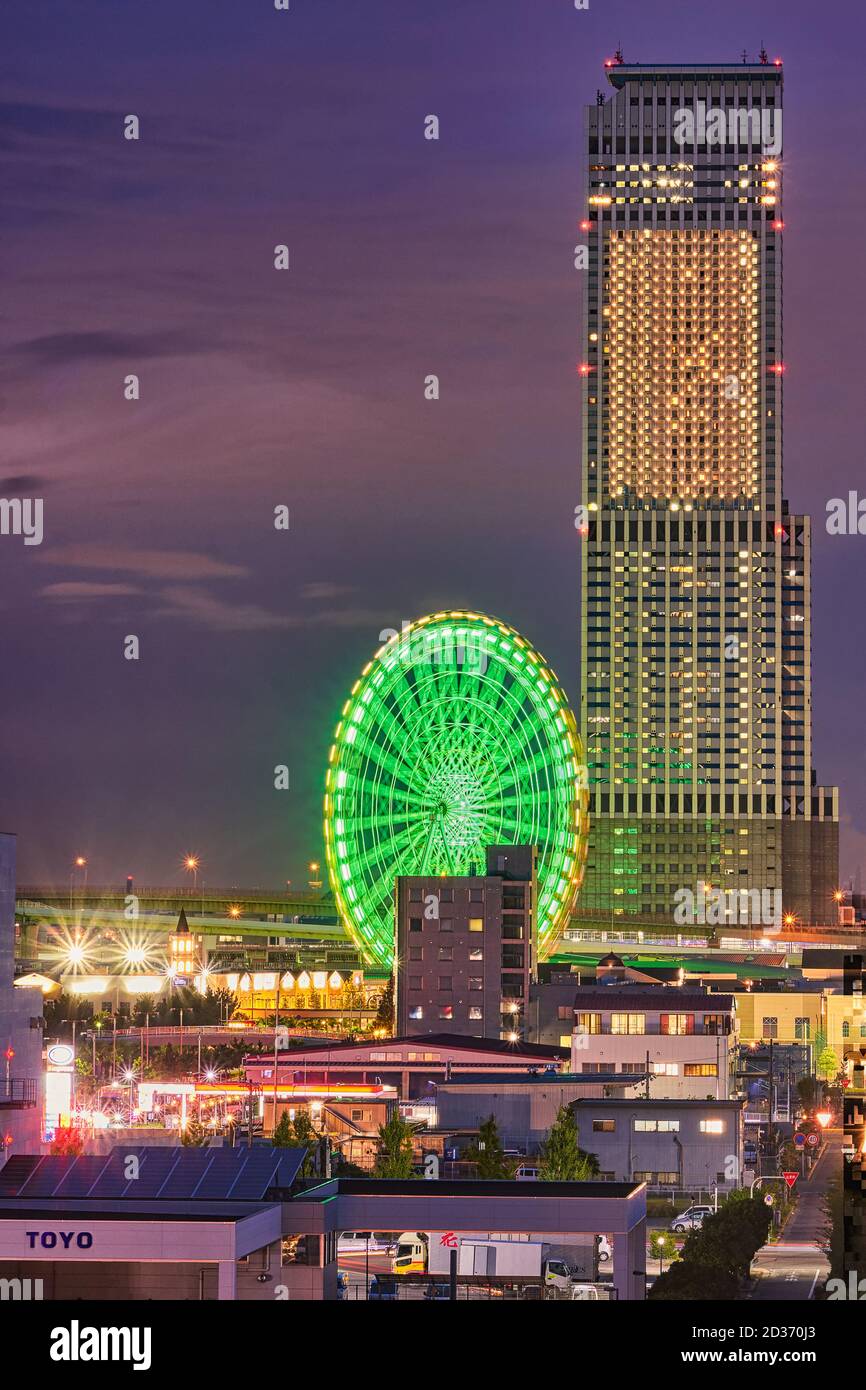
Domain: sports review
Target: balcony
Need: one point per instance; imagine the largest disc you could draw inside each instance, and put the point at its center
(18, 1093)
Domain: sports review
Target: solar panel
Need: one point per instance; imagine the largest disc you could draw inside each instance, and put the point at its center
(186, 1174)
(46, 1176)
(115, 1177)
(156, 1164)
(255, 1176)
(16, 1171)
(81, 1176)
(221, 1174)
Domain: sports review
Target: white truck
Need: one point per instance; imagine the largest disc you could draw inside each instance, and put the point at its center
(484, 1255)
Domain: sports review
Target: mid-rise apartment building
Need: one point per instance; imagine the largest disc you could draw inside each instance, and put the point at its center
(466, 948)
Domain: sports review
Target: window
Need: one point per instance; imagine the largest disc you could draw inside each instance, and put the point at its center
(446, 953)
(444, 983)
(589, 1023)
(446, 1011)
(476, 982)
(446, 924)
(476, 953)
(666, 1068)
(668, 1180)
(700, 1069)
(712, 1126)
(656, 1126)
(476, 923)
(565, 1040)
(770, 1028)
(476, 1013)
(632, 1067)
(414, 895)
(846, 1029)
(564, 1013)
(677, 1025)
(802, 1029)
(416, 981)
(416, 952)
(476, 895)
(603, 1126)
(446, 895)
(628, 1023)
(714, 1023)
(416, 924)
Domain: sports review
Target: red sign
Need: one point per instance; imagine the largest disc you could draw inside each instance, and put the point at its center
(449, 1238)
(812, 1139)
(790, 1178)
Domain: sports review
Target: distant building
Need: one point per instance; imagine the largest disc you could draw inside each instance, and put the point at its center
(677, 1145)
(466, 948)
(409, 1063)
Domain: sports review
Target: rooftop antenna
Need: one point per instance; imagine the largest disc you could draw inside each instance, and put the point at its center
(599, 98)
(762, 56)
(745, 57)
(617, 57)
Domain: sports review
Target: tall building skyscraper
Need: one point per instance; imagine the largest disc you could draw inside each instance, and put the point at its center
(696, 607)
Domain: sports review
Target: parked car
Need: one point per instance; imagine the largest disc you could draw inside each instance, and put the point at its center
(604, 1250)
(691, 1220)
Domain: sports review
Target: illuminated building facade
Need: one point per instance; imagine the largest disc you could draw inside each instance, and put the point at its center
(696, 604)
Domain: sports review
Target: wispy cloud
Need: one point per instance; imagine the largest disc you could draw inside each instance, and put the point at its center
(151, 564)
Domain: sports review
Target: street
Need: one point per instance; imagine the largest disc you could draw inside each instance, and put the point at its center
(791, 1269)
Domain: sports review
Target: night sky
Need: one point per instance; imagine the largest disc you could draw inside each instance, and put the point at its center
(305, 388)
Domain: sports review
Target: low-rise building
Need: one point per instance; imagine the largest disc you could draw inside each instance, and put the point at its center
(524, 1107)
(677, 1145)
(410, 1063)
(684, 1038)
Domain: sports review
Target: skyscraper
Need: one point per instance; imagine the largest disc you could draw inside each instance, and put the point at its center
(696, 605)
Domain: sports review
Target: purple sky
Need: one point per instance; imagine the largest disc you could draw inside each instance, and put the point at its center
(306, 388)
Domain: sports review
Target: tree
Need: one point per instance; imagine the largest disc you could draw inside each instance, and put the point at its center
(68, 1142)
(728, 1240)
(487, 1153)
(303, 1135)
(385, 1012)
(194, 1135)
(693, 1282)
(283, 1137)
(827, 1063)
(394, 1159)
(562, 1159)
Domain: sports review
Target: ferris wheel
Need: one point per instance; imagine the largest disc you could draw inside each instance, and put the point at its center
(456, 736)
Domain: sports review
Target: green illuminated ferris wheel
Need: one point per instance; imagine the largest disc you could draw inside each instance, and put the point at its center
(456, 736)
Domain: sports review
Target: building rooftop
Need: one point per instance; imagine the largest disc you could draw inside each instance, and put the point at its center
(620, 73)
(667, 1103)
(462, 1187)
(443, 1041)
(665, 998)
(567, 1078)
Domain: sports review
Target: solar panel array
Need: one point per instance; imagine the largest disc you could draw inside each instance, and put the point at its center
(151, 1172)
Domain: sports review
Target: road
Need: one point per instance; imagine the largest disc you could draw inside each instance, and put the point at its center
(791, 1269)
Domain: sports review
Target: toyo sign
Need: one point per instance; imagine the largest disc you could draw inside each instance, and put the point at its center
(48, 1239)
